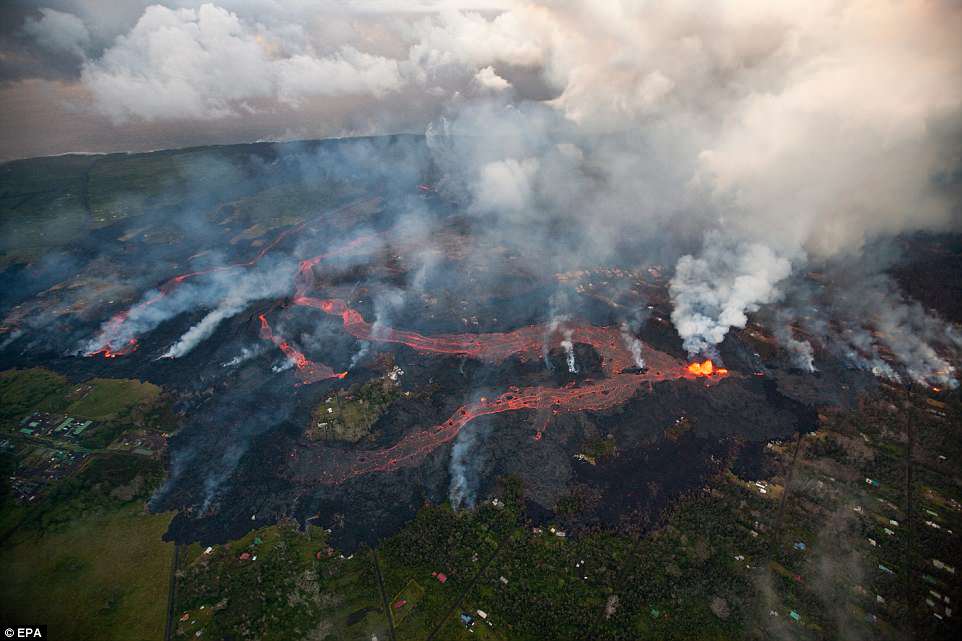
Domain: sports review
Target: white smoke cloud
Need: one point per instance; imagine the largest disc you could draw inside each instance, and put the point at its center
(569, 349)
(463, 467)
(803, 129)
(208, 63)
(227, 292)
(246, 354)
(251, 286)
(488, 79)
(505, 185)
(632, 343)
(713, 292)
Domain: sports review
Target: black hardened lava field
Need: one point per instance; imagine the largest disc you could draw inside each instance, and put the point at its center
(497, 320)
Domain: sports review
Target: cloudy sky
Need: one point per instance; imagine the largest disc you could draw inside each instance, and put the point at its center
(92, 75)
(765, 136)
(813, 124)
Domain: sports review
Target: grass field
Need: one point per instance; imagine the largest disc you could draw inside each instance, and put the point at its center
(109, 398)
(87, 560)
(25, 390)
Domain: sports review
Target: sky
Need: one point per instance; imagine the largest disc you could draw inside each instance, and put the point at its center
(762, 137)
(68, 69)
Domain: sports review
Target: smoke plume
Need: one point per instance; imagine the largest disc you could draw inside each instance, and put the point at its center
(713, 292)
(464, 467)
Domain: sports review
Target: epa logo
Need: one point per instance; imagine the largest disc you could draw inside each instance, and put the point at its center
(26, 632)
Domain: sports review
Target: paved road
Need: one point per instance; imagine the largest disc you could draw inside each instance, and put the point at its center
(380, 585)
(172, 595)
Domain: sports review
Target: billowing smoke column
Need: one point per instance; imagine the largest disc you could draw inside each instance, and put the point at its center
(632, 343)
(464, 468)
(713, 292)
(772, 135)
(569, 348)
(248, 287)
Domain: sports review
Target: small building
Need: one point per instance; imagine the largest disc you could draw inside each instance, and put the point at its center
(245, 556)
(400, 603)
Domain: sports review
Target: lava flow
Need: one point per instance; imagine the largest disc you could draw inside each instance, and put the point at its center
(111, 329)
(706, 368)
(107, 352)
(308, 370)
(623, 380)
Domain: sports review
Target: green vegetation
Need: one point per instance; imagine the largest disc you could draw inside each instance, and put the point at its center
(279, 583)
(88, 560)
(25, 390)
(41, 205)
(108, 398)
(598, 449)
(350, 415)
(115, 405)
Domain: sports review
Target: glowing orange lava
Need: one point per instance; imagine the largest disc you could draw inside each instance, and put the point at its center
(107, 351)
(309, 371)
(706, 368)
(623, 380)
(623, 377)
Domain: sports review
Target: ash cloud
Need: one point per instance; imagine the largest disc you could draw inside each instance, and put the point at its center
(714, 292)
(740, 143)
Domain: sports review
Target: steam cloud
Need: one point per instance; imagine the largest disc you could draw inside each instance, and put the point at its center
(463, 468)
(714, 292)
(252, 286)
(227, 292)
(744, 143)
(633, 344)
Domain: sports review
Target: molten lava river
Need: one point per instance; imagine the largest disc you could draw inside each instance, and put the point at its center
(622, 378)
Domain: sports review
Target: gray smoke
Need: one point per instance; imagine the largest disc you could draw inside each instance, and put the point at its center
(569, 349)
(740, 142)
(246, 354)
(464, 467)
(715, 291)
(226, 293)
(801, 353)
(873, 326)
(632, 343)
(269, 282)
